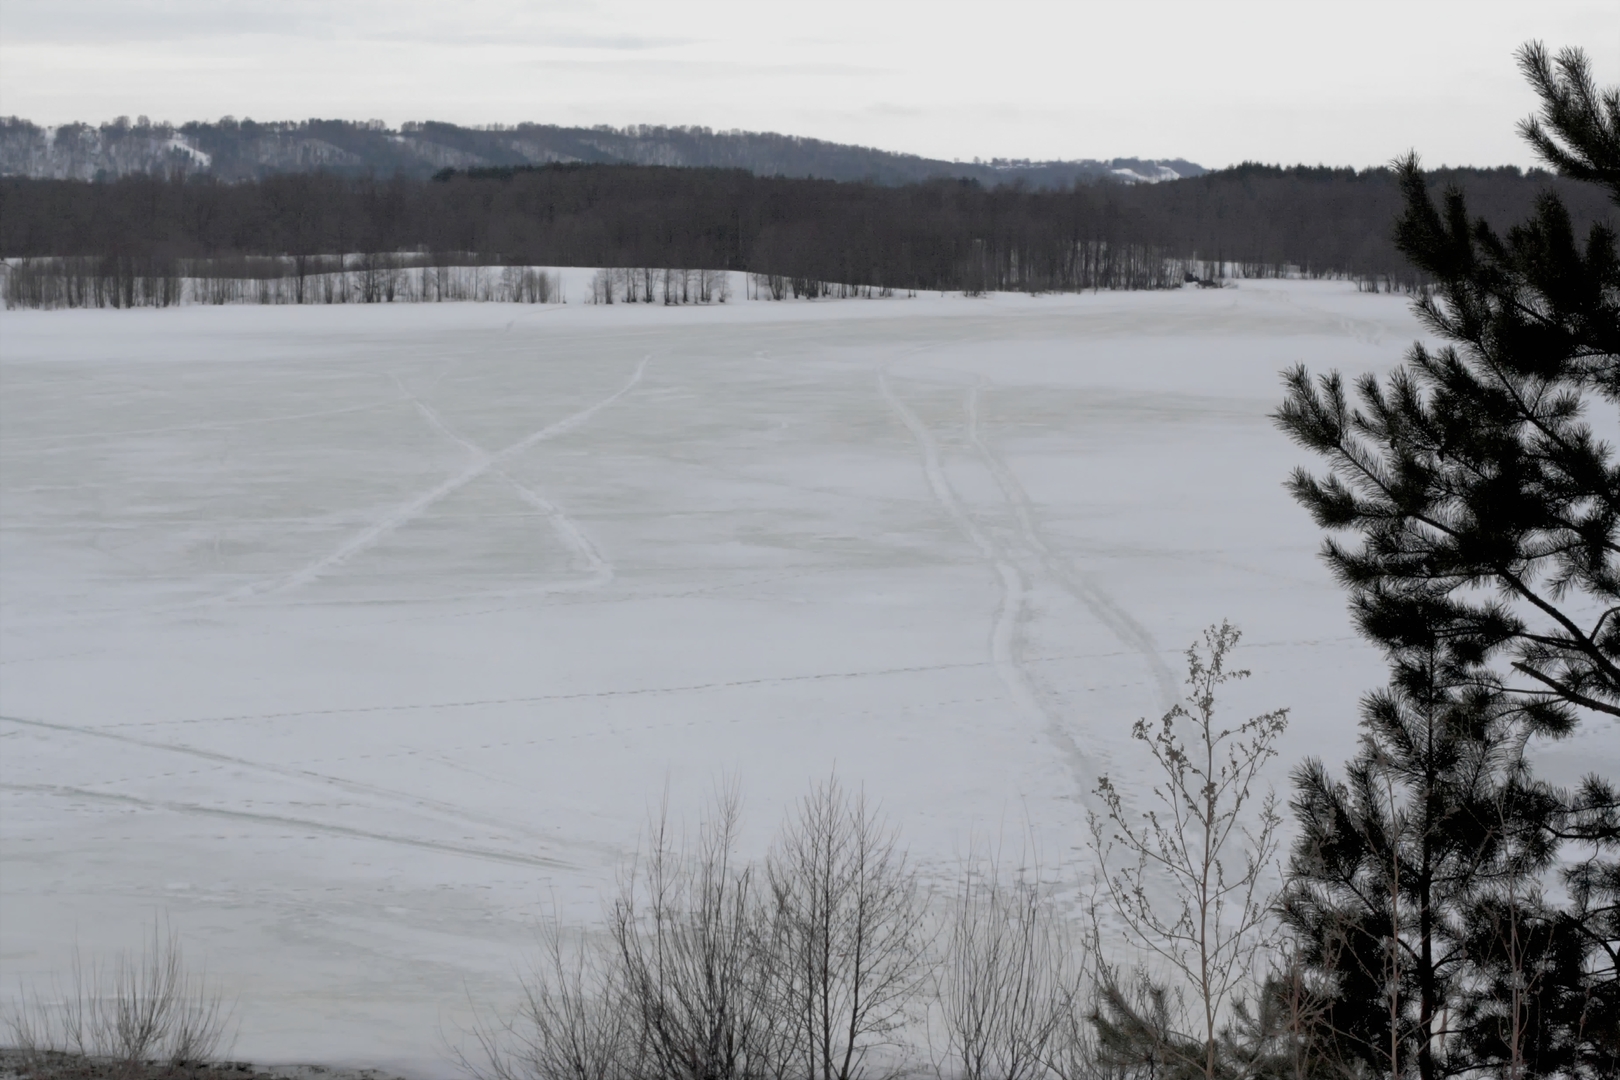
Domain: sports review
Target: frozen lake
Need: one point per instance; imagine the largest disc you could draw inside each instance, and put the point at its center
(353, 637)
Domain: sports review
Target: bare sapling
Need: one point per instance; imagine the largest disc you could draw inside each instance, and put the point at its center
(847, 935)
(1073, 1052)
(1190, 878)
(139, 1007)
(575, 1021)
(1005, 988)
(686, 929)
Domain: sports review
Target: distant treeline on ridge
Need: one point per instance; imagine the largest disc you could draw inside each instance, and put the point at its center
(954, 235)
(232, 149)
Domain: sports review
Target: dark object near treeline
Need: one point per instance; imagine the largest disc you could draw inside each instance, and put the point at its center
(1250, 221)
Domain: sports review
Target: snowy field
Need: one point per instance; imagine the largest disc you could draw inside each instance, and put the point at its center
(355, 637)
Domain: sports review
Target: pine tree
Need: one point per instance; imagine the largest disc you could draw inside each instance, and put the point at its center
(1437, 817)
(1488, 569)
(1474, 465)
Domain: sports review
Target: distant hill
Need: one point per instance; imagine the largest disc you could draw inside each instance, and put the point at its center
(240, 150)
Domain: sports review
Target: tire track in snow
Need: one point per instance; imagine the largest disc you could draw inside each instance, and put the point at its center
(587, 695)
(490, 854)
(566, 528)
(1014, 595)
(406, 512)
(433, 807)
(569, 532)
(1076, 582)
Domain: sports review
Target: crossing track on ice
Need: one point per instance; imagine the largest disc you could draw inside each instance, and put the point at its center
(409, 511)
(567, 529)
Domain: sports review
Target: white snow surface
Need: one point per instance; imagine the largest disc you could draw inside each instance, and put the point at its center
(354, 638)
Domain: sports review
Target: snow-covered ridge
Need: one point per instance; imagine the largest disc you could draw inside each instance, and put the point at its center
(1157, 174)
(238, 150)
(81, 152)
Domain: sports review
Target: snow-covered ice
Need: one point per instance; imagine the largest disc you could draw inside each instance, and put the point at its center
(354, 637)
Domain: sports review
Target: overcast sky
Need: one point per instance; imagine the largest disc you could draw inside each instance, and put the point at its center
(1350, 82)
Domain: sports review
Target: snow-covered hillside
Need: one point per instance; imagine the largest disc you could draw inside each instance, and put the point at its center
(235, 150)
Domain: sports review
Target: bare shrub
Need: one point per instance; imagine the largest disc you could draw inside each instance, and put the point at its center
(1006, 989)
(137, 1007)
(846, 932)
(1073, 1054)
(575, 1021)
(716, 970)
(686, 930)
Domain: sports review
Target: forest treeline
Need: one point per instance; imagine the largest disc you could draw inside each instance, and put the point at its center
(949, 235)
